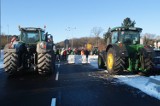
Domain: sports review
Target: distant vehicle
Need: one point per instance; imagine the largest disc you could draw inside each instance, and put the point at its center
(157, 59)
(95, 51)
(124, 51)
(32, 51)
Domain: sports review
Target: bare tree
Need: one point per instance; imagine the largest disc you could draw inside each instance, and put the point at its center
(96, 31)
(149, 39)
(107, 34)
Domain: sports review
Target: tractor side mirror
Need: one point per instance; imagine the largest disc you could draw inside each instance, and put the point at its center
(51, 37)
(46, 37)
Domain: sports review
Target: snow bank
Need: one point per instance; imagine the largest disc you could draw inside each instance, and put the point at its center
(1, 59)
(157, 77)
(147, 85)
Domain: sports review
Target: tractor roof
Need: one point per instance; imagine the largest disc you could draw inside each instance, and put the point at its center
(31, 29)
(126, 29)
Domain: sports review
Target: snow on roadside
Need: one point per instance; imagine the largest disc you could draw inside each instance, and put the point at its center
(157, 77)
(149, 85)
(1, 59)
(145, 84)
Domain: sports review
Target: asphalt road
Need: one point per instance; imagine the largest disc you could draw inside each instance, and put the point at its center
(72, 85)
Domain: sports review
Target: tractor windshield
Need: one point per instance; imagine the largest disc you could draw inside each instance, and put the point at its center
(130, 37)
(30, 37)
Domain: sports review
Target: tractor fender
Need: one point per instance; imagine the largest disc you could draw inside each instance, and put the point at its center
(146, 51)
(48, 47)
(17, 47)
(120, 51)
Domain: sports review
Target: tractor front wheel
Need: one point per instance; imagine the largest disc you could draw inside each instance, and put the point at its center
(100, 62)
(115, 64)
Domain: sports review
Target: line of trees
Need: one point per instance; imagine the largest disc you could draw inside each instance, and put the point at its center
(150, 39)
(4, 40)
(81, 42)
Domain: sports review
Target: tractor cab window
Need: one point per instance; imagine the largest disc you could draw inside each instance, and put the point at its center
(130, 37)
(30, 37)
(114, 37)
(43, 36)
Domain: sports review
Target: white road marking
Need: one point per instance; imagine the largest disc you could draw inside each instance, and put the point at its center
(53, 103)
(59, 65)
(57, 76)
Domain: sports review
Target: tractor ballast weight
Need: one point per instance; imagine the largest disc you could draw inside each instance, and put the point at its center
(124, 51)
(32, 51)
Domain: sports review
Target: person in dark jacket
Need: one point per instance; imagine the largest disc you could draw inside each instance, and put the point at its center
(87, 53)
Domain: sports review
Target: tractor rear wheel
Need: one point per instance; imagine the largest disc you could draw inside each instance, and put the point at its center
(100, 62)
(146, 62)
(115, 64)
(10, 62)
(45, 63)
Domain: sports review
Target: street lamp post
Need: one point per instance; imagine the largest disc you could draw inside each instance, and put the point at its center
(69, 29)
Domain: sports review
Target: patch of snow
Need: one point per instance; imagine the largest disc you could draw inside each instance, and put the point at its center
(157, 77)
(145, 84)
(149, 85)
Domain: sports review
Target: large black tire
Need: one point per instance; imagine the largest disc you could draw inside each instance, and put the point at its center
(146, 62)
(100, 62)
(45, 63)
(115, 64)
(10, 62)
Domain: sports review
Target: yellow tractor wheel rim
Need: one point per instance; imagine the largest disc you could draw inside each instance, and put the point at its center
(110, 61)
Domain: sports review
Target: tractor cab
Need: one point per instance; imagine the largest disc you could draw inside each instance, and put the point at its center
(126, 35)
(32, 35)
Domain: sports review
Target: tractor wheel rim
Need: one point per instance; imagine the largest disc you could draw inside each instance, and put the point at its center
(110, 61)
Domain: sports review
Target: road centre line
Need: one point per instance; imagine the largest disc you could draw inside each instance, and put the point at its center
(53, 102)
(57, 74)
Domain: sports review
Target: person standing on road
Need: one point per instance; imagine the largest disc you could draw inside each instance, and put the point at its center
(58, 54)
(87, 53)
(65, 55)
(82, 52)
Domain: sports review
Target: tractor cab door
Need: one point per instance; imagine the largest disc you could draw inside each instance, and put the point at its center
(114, 37)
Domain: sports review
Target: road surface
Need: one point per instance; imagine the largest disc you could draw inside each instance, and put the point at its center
(71, 85)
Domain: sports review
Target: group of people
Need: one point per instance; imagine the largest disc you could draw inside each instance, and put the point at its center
(62, 54)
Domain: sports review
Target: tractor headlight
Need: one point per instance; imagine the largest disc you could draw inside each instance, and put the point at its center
(43, 45)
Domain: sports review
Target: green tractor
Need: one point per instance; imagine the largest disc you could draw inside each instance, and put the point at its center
(32, 50)
(124, 51)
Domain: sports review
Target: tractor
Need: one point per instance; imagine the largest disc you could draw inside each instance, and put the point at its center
(124, 52)
(32, 50)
